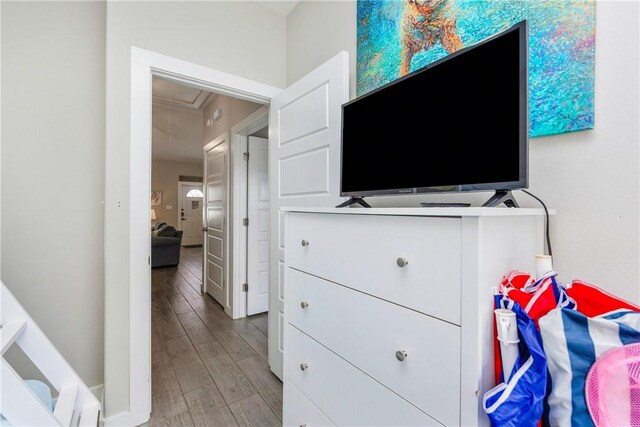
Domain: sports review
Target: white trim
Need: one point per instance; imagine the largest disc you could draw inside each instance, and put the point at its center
(118, 420)
(239, 135)
(144, 65)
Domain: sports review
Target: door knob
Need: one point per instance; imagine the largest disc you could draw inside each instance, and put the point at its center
(305, 243)
(205, 229)
(401, 355)
(304, 304)
(304, 366)
(183, 219)
(402, 262)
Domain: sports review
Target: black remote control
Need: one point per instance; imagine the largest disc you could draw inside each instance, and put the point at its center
(444, 205)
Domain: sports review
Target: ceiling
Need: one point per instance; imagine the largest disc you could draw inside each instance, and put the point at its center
(280, 7)
(179, 95)
(176, 134)
(177, 119)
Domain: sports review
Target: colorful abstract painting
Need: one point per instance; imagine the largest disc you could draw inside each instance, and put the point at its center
(399, 36)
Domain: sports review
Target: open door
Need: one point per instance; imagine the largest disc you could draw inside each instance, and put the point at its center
(215, 223)
(304, 166)
(258, 227)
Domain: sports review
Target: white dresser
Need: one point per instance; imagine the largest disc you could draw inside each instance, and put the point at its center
(388, 312)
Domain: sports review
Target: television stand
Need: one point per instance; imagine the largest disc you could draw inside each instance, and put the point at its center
(354, 201)
(502, 196)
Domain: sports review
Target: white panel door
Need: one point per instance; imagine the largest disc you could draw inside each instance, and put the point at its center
(304, 166)
(258, 230)
(191, 199)
(215, 194)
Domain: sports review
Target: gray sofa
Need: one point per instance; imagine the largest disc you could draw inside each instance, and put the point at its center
(165, 246)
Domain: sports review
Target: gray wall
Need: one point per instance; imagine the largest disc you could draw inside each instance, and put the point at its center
(165, 175)
(233, 112)
(53, 97)
(240, 38)
(590, 177)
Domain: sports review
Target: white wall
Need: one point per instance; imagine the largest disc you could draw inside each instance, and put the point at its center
(590, 177)
(240, 38)
(53, 76)
(318, 30)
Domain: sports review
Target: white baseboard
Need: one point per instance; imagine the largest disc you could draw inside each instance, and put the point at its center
(124, 419)
(119, 420)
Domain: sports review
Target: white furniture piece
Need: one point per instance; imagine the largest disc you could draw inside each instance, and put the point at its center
(388, 312)
(76, 405)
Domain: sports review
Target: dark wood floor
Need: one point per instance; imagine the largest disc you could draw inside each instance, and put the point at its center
(207, 369)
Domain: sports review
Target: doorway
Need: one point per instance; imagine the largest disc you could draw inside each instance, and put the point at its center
(190, 198)
(192, 294)
(258, 221)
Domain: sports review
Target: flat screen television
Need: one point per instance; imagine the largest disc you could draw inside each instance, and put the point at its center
(458, 124)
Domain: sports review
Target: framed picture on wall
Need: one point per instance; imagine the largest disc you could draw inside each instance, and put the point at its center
(156, 198)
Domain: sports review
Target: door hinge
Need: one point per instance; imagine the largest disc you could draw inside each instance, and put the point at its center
(245, 222)
(245, 156)
(245, 287)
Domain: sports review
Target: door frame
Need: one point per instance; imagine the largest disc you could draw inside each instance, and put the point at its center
(239, 140)
(145, 65)
(180, 185)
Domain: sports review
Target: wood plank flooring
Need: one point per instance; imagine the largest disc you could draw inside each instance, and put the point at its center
(207, 369)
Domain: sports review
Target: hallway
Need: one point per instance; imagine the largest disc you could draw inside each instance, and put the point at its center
(207, 369)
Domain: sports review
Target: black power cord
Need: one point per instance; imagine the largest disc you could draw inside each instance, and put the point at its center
(546, 212)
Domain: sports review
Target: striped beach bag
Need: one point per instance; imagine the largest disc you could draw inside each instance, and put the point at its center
(536, 297)
(572, 342)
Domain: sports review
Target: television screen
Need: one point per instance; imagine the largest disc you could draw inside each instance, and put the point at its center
(459, 124)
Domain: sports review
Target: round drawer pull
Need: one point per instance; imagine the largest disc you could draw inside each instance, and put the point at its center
(402, 262)
(304, 304)
(304, 366)
(401, 355)
(305, 243)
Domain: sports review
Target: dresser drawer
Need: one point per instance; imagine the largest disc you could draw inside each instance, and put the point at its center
(366, 252)
(347, 395)
(300, 411)
(367, 332)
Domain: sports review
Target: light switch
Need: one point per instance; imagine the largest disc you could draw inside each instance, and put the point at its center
(169, 207)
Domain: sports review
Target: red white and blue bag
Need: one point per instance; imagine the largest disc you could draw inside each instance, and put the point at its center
(592, 301)
(536, 297)
(519, 400)
(579, 322)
